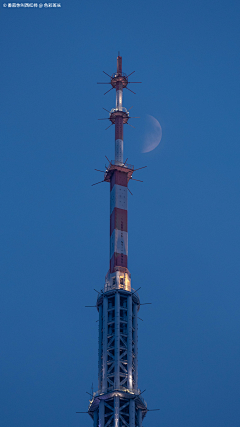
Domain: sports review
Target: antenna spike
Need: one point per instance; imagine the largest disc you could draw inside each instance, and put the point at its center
(109, 91)
(145, 303)
(97, 183)
(108, 159)
(107, 74)
(109, 126)
(131, 73)
(140, 168)
(131, 90)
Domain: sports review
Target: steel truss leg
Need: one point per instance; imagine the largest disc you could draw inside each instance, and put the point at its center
(129, 342)
(100, 348)
(132, 413)
(105, 326)
(116, 411)
(95, 419)
(101, 414)
(117, 340)
(139, 417)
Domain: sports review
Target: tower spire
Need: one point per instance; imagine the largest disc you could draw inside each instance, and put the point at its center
(118, 401)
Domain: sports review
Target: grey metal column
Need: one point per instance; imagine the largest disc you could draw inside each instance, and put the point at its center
(101, 414)
(139, 417)
(117, 340)
(104, 343)
(129, 342)
(95, 418)
(132, 413)
(116, 411)
(100, 367)
(135, 338)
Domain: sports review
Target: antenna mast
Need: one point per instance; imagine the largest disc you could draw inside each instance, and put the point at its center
(118, 401)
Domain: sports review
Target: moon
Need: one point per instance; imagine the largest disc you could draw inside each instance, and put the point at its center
(152, 134)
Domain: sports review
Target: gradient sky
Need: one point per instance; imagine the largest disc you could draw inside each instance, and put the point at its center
(183, 219)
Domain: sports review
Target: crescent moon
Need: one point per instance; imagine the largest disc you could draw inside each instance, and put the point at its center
(152, 135)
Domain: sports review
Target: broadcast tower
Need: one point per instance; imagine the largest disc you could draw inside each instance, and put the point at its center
(118, 401)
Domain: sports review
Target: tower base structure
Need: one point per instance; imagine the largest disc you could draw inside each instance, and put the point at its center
(118, 402)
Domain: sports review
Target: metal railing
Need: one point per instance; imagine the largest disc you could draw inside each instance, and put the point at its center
(114, 110)
(119, 74)
(108, 287)
(123, 165)
(136, 392)
(124, 389)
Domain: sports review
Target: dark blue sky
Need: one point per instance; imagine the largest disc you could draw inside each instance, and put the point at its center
(183, 220)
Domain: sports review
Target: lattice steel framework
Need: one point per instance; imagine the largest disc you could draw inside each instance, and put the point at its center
(118, 401)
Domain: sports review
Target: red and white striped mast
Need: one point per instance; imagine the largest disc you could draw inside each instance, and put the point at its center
(119, 174)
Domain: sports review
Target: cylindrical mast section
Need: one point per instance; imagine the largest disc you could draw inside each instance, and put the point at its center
(119, 85)
(100, 348)
(129, 342)
(104, 344)
(119, 64)
(135, 340)
(117, 341)
(119, 119)
(119, 140)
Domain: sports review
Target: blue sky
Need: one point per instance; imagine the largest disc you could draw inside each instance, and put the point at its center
(183, 219)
